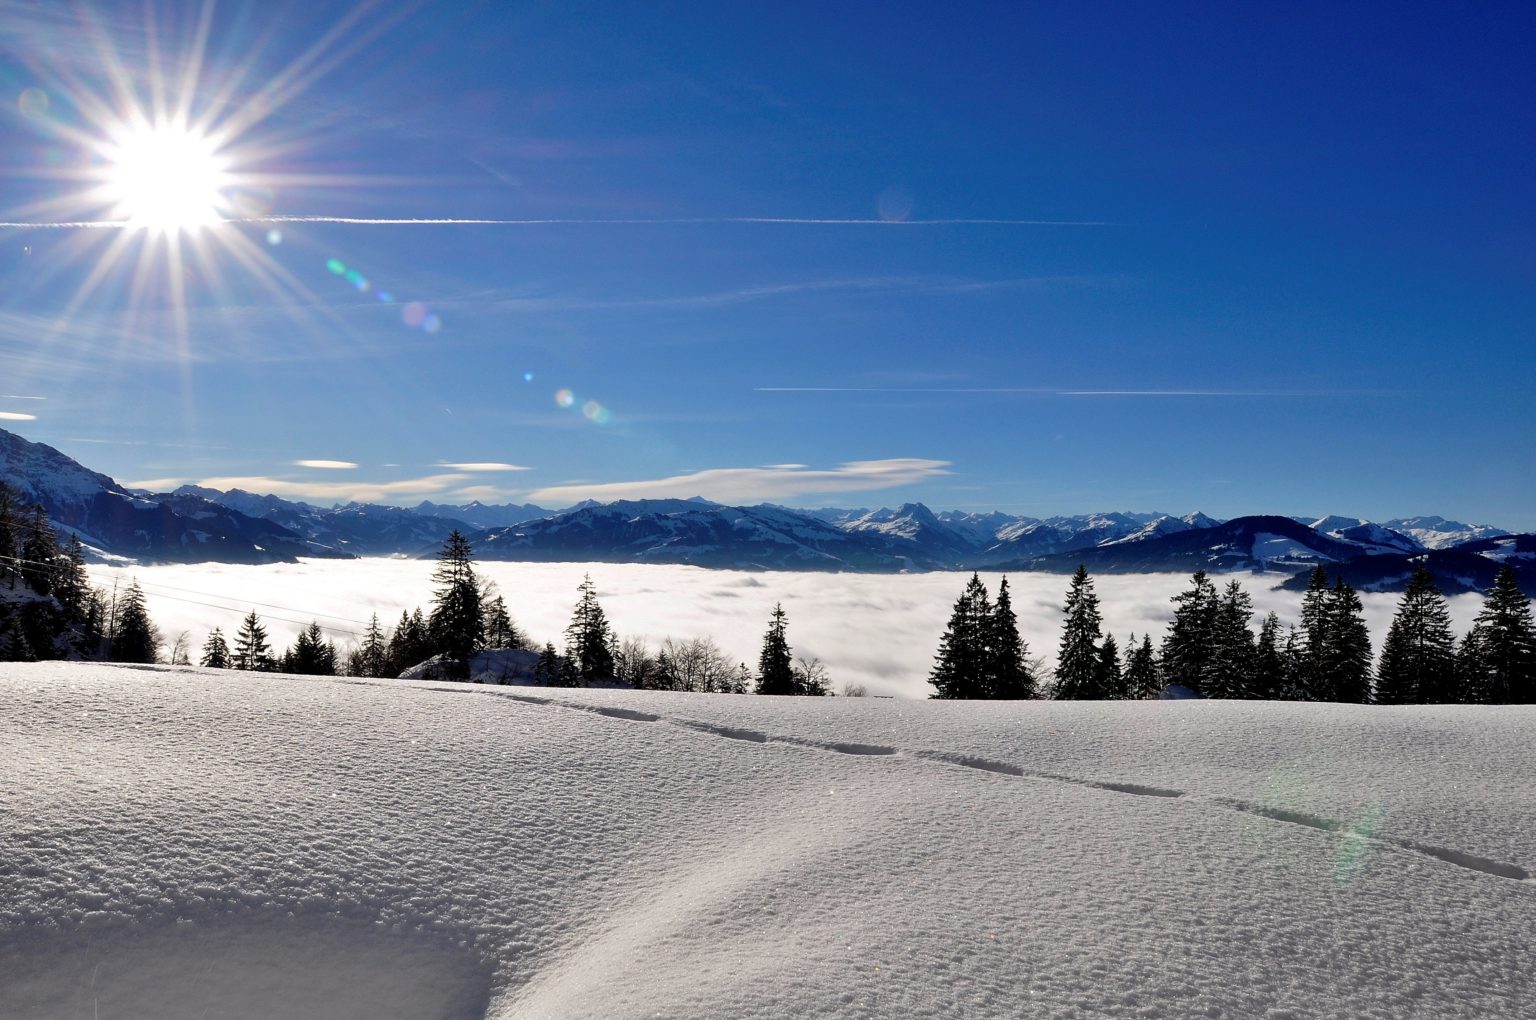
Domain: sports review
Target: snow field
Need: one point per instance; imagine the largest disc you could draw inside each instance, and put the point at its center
(196, 843)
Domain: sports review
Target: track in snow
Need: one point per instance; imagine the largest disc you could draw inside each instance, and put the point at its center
(1458, 858)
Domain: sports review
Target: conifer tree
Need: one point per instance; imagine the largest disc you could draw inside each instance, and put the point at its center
(10, 542)
(71, 583)
(311, 654)
(547, 669)
(1228, 671)
(1079, 673)
(1418, 658)
(1269, 672)
(410, 644)
(1294, 666)
(499, 632)
(134, 638)
(588, 638)
(1111, 683)
(457, 628)
(1311, 680)
(1346, 660)
(1499, 655)
(251, 650)
(1141, 672)
(1188, 644)
(372, 658)
(1009, 674)
(39, 553)
(215, 651)
(775, 667)
(961, 667)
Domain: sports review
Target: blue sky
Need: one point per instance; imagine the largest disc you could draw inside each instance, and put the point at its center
(1236, 258)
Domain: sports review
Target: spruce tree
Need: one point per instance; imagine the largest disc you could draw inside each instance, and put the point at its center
(1187, 647)
(311, 654)
(547, 669)
(1269, 671)
(1310, 678)
(1079, 673)
(1500, 663)
(775, 667)
(134, 638)
(1228, 671)
(961, 667)
(457, 628)
(372, 659)
(1418, 658)
(251, 650)
(1141, 671)
(39, 553)
(71, 584)
(215, 651)
(1111, 682)
(10, 541)
(499, 632)
(1346, 660)
(588, 638)
(1009, 674)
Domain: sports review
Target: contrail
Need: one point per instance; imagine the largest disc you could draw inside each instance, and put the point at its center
(373, 221)
(1047, 391)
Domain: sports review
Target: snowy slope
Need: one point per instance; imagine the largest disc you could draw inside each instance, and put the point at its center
(1439, 533)
(1371, 538)
(186, 844)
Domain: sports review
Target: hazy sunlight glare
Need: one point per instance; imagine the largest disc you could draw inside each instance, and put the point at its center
(166, 177)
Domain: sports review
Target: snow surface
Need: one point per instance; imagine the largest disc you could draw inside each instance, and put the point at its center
(188, 843)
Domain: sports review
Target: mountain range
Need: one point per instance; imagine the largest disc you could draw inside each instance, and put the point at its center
(197, 524)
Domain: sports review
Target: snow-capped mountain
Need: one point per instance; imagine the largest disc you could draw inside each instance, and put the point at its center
(914, 523)
(1030, 538)
(1373, 538)
(1468, 567)
(483, 515)
(1439, 533)
(1256, 543)
(695, 532)
(353, 529)
(110, 519)
(1166, 524)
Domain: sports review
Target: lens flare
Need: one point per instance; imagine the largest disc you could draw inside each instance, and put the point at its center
(565, 398)
(33, 103)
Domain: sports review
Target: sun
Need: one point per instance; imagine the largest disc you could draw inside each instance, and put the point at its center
(166, 177)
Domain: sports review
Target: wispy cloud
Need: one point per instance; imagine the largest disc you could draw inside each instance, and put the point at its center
(328, 465)
(19, 396)
(156, 484)
(16, 416)
(486, 466)
(358, 492)
(755, 484)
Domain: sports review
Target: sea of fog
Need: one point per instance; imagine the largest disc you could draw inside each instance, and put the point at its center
(878, 630)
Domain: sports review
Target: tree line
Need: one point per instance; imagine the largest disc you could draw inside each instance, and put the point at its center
(60, 616)
(49, 610)
(1211, 650)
